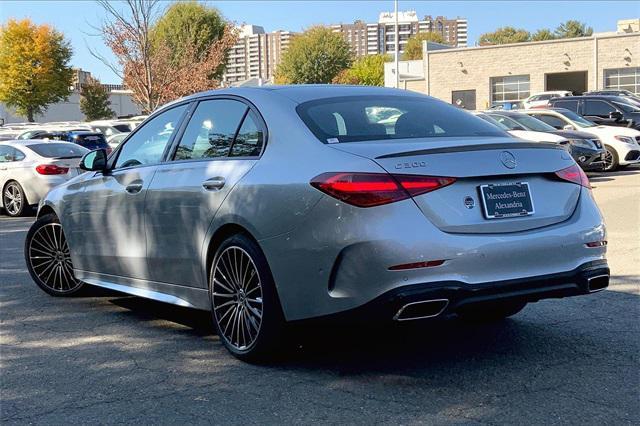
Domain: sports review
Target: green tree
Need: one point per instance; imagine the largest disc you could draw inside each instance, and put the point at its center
(188, 27)
(572, 29)
(542, 34)
(413, 49)
(34, 67)
(94, 100)
(366, 71)
(505, 35)
(315, 56)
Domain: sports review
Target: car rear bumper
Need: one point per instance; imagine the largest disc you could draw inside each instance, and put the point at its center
(449, 297)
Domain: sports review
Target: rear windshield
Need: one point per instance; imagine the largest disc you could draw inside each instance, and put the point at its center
(363, 118)
(58, 150)
(90, 139)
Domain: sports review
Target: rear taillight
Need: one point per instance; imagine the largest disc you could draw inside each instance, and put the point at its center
(574, 174)
(51, 169)
(375, 189)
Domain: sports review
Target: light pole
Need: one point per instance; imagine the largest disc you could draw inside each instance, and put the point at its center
(397, 44)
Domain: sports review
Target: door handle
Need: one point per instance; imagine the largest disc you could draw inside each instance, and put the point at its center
(213, 184)
(133, 188)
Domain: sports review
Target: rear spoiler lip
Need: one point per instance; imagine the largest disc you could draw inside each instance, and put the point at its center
(478, 147)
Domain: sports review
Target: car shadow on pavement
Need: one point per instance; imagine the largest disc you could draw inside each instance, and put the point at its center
(85, 357)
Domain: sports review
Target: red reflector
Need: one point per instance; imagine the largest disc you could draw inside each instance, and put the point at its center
(374, 189)
(574, 174)
(51, 169)
(596, 244)
(416, 265)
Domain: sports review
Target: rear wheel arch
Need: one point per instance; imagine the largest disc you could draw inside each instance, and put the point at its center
(219, 236)
(45, 210)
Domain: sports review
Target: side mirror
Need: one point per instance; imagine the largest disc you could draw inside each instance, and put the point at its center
(615, 115)
(568, 127)
(94, 161)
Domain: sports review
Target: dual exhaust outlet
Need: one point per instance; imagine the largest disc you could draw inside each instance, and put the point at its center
(432, 308)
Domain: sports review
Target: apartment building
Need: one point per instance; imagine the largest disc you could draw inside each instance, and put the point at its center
(374, 38)
(255, 55)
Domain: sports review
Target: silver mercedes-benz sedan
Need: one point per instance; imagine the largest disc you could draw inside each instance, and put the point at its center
(273, 205)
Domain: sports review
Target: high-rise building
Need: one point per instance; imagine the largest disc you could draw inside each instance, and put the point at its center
(374, 38)
(255, 55)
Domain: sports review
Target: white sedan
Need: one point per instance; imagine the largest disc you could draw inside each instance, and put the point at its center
(30, 168)
(622, 144)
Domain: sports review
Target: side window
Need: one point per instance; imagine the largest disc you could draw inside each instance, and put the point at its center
(211, 129)
(18, 155)
(147, 145)
(601, 108)
(570, 105)
(551, 120)
(6, 154)
(250, 138)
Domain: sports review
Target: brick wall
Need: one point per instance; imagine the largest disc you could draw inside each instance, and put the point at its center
(472, 68)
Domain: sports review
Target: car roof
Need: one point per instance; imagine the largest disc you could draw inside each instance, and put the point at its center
(611, 97)
(305, 92)
(507, 112)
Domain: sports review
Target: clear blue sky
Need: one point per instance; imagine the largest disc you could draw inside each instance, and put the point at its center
(74, 18)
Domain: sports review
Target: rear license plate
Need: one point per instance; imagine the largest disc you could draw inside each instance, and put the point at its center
(506, 200)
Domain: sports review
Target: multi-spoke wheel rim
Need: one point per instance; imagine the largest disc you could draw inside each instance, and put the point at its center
(12, 199)
(237, 297)
(50, 260)
(608, 159)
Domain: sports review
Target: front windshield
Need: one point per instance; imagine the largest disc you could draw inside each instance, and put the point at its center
(627, 107)
(577, 119)
(489, 119)
(532, 123)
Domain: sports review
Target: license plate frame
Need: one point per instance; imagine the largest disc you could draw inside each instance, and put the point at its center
(490, 206)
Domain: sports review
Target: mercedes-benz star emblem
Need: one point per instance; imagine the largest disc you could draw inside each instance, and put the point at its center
(508, 159)
(469, 202)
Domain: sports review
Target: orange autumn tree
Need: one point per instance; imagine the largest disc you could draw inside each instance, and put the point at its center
(34, 67)
(154, 69)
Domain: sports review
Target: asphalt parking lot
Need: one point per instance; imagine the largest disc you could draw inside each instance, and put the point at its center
(110, 358)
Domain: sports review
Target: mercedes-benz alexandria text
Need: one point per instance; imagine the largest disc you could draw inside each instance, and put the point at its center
(273, 205)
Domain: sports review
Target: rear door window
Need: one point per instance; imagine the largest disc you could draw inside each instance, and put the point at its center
(250, 138)
(212, 129)
(598, 108)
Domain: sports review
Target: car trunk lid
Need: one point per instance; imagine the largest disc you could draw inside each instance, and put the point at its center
(485, 170)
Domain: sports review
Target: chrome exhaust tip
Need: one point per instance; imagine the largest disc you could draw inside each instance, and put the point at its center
(421, 310)
(597, 283)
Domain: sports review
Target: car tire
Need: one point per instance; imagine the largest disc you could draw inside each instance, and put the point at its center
(611, 162)
(14, 200)
(491, 312)
(47, 256)
(245, 306)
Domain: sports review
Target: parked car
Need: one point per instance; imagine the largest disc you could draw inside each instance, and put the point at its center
(110, 127)
(29, 169)
(622, 145)
(88, 139)
(604, 110)
(542, 99)
(286, 203)
(585, 148)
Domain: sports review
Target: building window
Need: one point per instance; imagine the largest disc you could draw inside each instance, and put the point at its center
(511, 88)
(623, 79)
